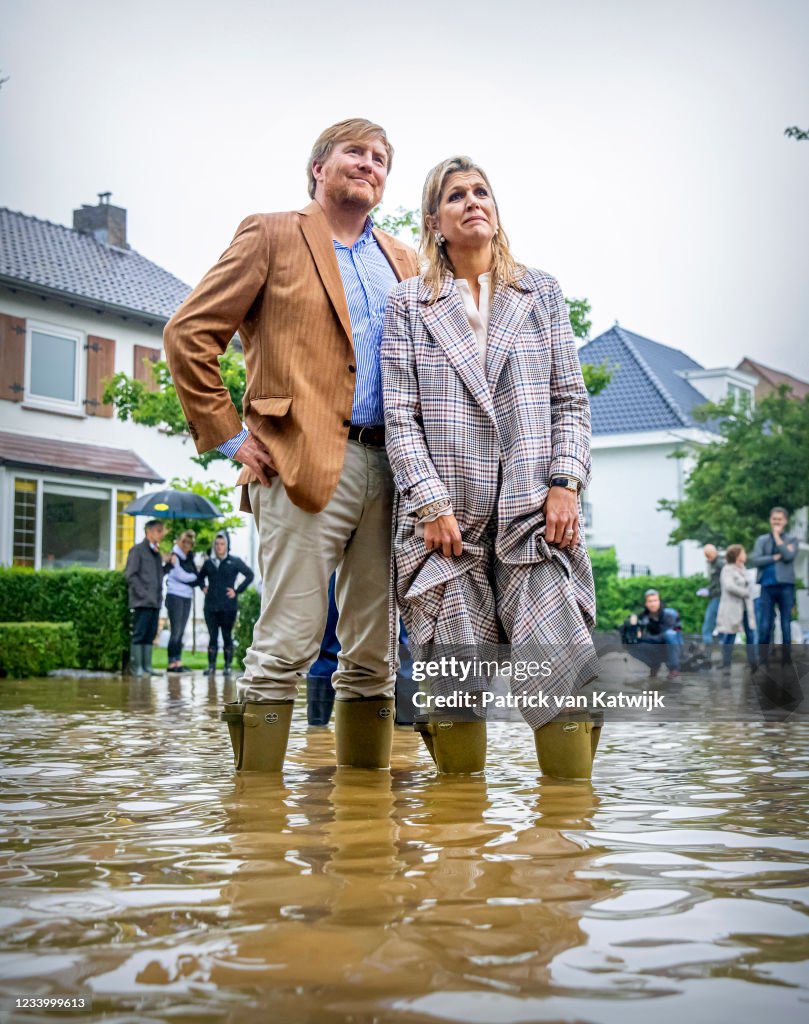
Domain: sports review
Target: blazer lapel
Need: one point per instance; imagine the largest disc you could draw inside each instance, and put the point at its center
(509, 309)
(318, 238)
(447, 322)
(395, 254)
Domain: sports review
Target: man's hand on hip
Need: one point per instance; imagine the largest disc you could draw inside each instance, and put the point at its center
(561, 518)
(255, 456)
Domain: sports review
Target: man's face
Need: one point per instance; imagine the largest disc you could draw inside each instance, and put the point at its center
(220, 547)
(353, 174)
(653, 603)
(778, 521)
(155, 534)
(710, 552)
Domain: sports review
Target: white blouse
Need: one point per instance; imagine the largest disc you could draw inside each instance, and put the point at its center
(478, 315)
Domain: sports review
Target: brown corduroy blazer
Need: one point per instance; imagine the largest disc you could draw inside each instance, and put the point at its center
(279, 286)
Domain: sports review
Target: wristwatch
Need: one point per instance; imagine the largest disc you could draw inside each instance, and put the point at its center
(568, 482)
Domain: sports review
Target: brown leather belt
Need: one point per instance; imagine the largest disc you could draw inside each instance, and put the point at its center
(373, 436)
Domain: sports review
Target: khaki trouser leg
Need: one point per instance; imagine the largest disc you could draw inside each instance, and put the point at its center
(298, 553)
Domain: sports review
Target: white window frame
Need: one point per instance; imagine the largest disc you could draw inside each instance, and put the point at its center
(43, 480)
(33, 401)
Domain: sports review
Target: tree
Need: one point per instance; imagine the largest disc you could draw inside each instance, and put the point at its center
(796, 133)
(134, 400)
(205, 529)
(761, 460)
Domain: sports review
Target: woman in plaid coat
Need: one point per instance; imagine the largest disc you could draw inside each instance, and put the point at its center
(488, 433)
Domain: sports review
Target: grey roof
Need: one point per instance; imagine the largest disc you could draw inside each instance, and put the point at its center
(646, 392)
(55, 260)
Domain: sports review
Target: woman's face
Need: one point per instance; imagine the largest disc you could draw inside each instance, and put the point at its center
(467, 217)
(220, 547)
(741, 558)
(186, 543)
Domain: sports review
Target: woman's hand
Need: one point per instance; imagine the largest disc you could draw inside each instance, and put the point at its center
(562, 518)
(443, 534)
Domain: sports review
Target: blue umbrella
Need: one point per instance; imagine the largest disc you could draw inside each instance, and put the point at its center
(170, 504)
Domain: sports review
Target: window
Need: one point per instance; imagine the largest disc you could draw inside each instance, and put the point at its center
(23, 551)
(742, 397)
(53, 362)
(75, 527)
(124, 528)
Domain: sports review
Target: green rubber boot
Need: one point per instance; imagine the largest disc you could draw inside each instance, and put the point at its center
(136, 661)
(566, 747)
(147, 661)
(363, 728)
(259, 734)
(458, 748)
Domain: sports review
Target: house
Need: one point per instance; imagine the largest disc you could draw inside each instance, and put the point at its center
(769, 380)
(77, 305)
(641, 418)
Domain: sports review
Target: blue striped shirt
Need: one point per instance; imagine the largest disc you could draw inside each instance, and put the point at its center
(368, 280)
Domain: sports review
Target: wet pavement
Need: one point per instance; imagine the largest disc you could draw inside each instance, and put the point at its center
(137, 870)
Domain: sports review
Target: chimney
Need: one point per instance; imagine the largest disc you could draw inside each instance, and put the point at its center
(105, 222)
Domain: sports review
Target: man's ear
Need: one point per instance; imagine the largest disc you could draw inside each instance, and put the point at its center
(316, 170)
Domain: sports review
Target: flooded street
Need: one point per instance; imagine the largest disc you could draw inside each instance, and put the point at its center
(136, 868)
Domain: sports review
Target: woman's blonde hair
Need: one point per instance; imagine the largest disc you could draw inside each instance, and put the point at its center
(353, 129)
(187, 535)
(505, 269)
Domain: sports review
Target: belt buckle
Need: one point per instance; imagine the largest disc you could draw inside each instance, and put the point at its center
(363, 428)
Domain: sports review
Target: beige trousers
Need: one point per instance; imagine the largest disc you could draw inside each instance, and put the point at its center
(298, 552)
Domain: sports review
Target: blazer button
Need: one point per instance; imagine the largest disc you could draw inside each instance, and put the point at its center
(352, 369)
(346, 423)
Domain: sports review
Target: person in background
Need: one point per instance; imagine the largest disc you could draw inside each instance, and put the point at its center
(773, 555)
(655, 635)
(218, 581)
(712, 592)
(144, 576)
(736, 607)
(180, 583)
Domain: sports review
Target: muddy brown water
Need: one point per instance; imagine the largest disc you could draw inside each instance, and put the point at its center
(139, 871)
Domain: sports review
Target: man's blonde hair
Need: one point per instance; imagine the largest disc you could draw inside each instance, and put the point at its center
(504, 269)
(354, 129)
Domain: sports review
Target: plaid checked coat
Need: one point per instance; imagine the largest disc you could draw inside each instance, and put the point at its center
(489, 440)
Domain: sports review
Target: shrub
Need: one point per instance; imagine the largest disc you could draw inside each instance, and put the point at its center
(249, 608)
(94, 600)
(616, 598)
(36, 648)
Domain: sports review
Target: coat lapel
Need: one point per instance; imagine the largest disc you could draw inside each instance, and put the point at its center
(395, 254)
(448, 324)
(508, 311)
(318, 238)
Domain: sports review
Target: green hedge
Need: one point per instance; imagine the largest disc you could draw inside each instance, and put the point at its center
(616, 598)
(36, 648)
(94, 600)
(249, 608)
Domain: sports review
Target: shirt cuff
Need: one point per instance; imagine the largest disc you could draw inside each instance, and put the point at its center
(230, 447)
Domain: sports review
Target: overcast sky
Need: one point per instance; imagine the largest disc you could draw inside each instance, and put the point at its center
(636, 148)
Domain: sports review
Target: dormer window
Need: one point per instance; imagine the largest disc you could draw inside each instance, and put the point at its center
(741, 395)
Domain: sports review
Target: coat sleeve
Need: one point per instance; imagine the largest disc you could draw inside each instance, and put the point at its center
(758, 557)
(248, 574)
(201, 330)
(787, 549)
(132, 563)
(413, 471)
(570, 406)
(730, 583)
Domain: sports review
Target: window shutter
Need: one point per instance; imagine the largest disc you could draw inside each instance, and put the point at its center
(141, 370)
(100, 367)
(12, 358)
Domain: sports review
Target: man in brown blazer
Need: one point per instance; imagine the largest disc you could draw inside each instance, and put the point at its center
(306, 291)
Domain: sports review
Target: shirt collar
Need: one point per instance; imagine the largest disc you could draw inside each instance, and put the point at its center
(366, 237)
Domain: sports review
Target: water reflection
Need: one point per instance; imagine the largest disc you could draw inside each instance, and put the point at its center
(135, 866)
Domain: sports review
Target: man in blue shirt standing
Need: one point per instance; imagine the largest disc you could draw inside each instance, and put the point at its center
(306, 291)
